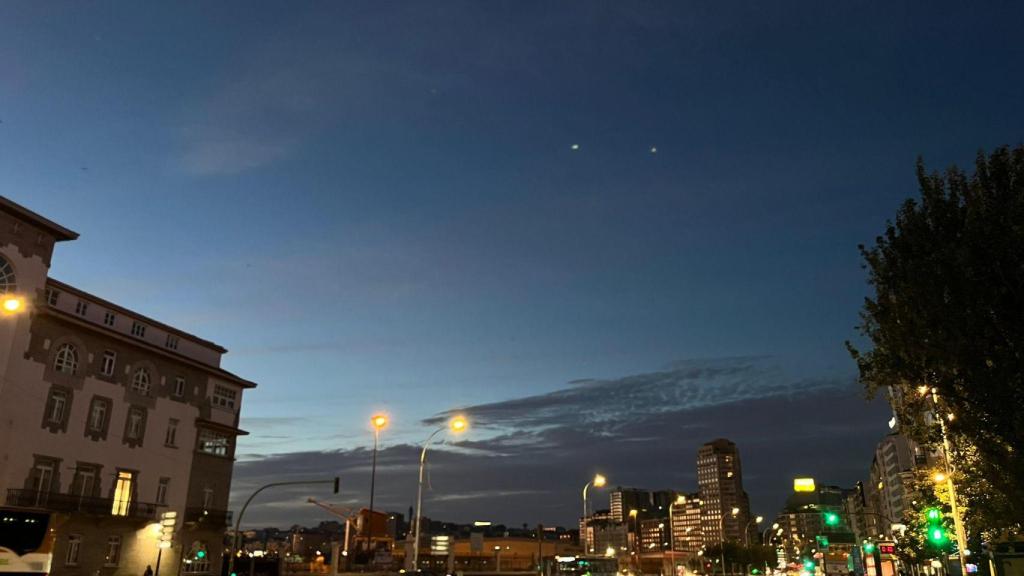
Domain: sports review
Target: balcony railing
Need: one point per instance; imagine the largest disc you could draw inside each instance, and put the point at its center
(208, 516)
(70, 503)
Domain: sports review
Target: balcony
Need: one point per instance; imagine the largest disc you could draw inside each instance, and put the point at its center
(71, 504)
(207, 516)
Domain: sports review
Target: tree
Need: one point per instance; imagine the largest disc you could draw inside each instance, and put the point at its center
(948, 315)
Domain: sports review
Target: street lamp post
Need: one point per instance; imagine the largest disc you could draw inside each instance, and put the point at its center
(721, 535)
(961, 534)
(457, 425)
(746, 529)
(680, 499)
(238, 521)
(598, 482)
(379, 422)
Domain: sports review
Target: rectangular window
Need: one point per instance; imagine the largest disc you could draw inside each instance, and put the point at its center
(113, 557)
(224, 396)
(207, 498)
(135, 421)
(108, 318)
(57, 407)
(215, 443)
(123, 493)
(98, 415)
(109, 361)
(171, 438)
(86, 481)
(81, 307)
(172, 342)
(161, 490)
(138, 330)
(52, 296)
(179, 386)
(74, 546)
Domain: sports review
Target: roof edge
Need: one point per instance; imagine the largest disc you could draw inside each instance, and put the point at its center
(59, 232)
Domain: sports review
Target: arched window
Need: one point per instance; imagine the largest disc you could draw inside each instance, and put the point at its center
(66, 360)
(7, 280)
(140, 382)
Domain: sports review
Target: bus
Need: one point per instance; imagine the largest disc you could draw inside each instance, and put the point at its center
(26, 544)
(584, 566)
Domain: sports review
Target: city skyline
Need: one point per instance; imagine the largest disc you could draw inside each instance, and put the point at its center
(602, 237)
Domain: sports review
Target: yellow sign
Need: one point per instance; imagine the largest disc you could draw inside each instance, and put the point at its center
(803, 484)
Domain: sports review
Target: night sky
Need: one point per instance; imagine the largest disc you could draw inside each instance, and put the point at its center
(608, 231)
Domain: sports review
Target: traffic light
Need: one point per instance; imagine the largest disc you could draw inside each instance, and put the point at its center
(937, 535)
(809, 565)
(869, 547)
(201, 554)
(831, 519)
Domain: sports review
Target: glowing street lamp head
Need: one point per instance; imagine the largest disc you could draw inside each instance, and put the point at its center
(633, 513)
(759, 519)
(599, 480)
(458, 424)
(680, 499)
(939, 477)
(775, 526)
(735, 511)
(379, 421)
(12, 304)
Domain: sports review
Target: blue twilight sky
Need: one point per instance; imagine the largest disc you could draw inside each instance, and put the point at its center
(416, 206)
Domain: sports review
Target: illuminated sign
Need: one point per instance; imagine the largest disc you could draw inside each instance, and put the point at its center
(803, 485)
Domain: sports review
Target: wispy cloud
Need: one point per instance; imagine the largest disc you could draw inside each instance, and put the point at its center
(525, 459)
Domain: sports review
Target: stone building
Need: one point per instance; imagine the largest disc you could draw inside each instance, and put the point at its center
(107, 419)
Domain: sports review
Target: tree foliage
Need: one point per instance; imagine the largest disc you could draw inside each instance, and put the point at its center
(948, 314)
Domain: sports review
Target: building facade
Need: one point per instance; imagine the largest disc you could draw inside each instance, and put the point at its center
(686, 525)
(720, 482)
(108, 419)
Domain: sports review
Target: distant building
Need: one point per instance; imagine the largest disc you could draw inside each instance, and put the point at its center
(686, 525)
(720, 481)
(623, 500)
(109, 419)
(803, 520)
(654, 535)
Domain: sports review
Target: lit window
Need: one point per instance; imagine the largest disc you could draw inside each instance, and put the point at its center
(109, 361)
(108, 318)
(74, 547)
(81, 307)
(224, 396)
(172, 342)
(66, 360)
(138, 330)
(113, 557)
(212, 442)
(122, 493)
(179, 386)
(140, 382)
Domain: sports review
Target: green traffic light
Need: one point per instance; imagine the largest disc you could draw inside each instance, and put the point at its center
(831, 519)
(937, 535)
(201, 554)
(869, 547)
(933, 514)
(809, 564)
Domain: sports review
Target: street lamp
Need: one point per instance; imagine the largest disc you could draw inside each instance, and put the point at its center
(680, 499)
(12, 304)
(379, 422)
(721, 534)
(746, 529)
(598, 482)
(457, 425)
